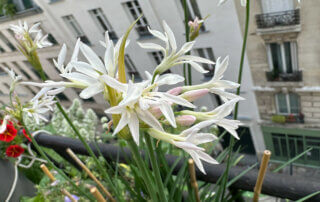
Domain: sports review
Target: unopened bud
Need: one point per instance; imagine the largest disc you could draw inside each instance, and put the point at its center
(175, 91)
(185, 120)
(194, 94)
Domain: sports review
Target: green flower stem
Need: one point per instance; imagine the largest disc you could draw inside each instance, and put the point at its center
(155, 167)
(141, 165)
(43, 155)
(232, 141)
(186, 17)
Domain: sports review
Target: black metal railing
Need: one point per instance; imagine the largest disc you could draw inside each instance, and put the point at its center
(286, 77)
(278, 185)
(283, 18)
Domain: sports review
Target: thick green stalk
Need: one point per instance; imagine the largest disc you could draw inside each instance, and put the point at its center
(144, 172)
(155, 167)
(43, 155)
(243, 51)
(186, 26)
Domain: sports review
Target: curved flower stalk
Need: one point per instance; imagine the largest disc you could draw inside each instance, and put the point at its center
(188, 140)
(172, 57)
(216, 85)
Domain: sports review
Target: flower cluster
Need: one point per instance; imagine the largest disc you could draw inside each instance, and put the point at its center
(139, 106)
(10, 139)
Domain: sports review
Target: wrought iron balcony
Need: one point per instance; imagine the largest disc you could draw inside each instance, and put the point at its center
(283, 18)
(286, 77)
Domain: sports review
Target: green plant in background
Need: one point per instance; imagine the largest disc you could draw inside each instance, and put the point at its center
(85, 121)
(7, 8)
(278, 118)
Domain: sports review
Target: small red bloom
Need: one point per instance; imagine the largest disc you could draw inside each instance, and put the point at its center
(14, 151)
(9, 134)
(26, 135)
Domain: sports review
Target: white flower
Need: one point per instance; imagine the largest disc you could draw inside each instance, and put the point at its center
(21, 29)
(39, 107)
(62, 56)
(42, 41)
(188, 140)
(219, 114)
(137, 99)
(216, 85)
(174, 57)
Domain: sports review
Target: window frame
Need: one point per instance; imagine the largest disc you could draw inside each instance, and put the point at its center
(131, 68)
(105, 21)
(293, 53)
(76, 28)
(206, 54)
(289, 110)
(142, 22)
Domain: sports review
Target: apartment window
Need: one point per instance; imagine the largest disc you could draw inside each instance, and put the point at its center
(135, 11)
(288, 103)
(21, 5)
(132, 71)
(75, 28)
(283, 57)
(7, 42)
(208, 54)
(2, 50)
(193, 11)
(102, 22)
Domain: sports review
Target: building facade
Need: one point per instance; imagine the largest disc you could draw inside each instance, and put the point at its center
(67, 20)
(283, 58)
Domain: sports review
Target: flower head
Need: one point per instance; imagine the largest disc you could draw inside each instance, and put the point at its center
(188, 140)
(174, 57)
(9, 134)
(21, 30)
(14, 151)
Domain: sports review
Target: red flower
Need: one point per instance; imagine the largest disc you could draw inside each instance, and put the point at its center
(14, 151)
(26, 135)
(9, 134)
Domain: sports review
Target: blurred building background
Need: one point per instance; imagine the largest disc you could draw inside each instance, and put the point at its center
(67, 20)
(283, 55)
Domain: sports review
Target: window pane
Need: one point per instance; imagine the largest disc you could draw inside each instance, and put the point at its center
(276, 146)
(287, 51)
(294, 103)
(276, 57)
(282, 103)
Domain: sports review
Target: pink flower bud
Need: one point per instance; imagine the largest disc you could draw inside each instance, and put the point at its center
(194, 94)
(175, 91)
(156, 112)
(185, 120)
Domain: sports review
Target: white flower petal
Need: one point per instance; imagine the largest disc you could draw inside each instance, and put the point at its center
(171, 37)
(157, 34)
(85, 68)
(167, 111)
(198, 67)
(169, 79)
(196, 59)
(186, 47)
(206, 157)
(91, 91)
(134, 127)
(149, 119)
(109, 60)
(115, 110)
(196, 160)
(178, 100)
(114, 83)
(93, 59)
(151, 46)
(122, 123)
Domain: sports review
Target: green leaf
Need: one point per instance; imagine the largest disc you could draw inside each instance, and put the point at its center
(291, 160)
(121, 70)
(308, 196)
(241, 174)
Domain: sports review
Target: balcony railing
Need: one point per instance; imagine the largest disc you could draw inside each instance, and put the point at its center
(286, 77)
(283, 18)
(290, 118)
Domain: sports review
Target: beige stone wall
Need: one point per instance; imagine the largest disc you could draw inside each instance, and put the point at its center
(308, 60)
